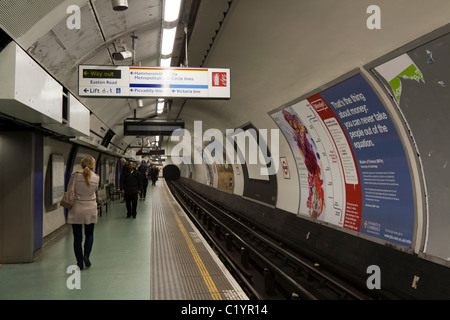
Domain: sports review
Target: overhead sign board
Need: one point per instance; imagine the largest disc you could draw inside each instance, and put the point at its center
(151, 128)
(150, 152)
(148, 82)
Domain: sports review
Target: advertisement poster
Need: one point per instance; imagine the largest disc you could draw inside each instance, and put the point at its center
(352, 166)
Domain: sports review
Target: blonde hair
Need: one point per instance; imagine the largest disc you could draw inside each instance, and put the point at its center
(88, 165)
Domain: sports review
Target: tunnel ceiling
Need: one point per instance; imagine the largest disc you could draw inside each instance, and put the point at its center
(277, 50)
(40, 28)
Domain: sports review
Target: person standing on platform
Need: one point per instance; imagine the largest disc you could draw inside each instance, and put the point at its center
(143, 170)
(154, 171)
(123, 166)
(84, 210)
(130, 187)
(123, 161)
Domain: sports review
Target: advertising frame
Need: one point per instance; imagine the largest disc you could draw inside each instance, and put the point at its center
(403, 138)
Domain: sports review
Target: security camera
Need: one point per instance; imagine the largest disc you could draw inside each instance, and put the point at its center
(122, 55)
(120, 5)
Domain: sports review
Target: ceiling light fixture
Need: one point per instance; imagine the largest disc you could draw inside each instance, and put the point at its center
(169, 29)
(168, 39)
(160, 107)
(171, 10)
(119, 5)
(165, 62)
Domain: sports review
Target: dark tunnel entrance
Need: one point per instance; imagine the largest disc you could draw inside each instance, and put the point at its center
(171, 172)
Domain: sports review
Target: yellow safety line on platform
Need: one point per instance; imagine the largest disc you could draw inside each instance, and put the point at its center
(205, 274)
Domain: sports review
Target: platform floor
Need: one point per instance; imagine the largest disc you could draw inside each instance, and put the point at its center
(157, 256)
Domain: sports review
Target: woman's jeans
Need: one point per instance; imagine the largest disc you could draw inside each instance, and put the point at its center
(78, 239)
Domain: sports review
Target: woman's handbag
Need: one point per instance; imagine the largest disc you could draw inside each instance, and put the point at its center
(68, 199)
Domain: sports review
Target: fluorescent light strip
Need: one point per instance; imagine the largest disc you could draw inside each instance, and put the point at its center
(171, 10)
(168, 39)
(165, 62)
(160, 106)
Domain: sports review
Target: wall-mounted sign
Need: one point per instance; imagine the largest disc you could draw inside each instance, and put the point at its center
(147, 82)
(285, 167)
(57, 170)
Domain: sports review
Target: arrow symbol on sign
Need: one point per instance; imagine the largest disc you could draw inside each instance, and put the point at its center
(85, 73)
(85, 90)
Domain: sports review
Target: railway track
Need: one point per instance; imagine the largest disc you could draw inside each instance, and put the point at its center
(263, 266)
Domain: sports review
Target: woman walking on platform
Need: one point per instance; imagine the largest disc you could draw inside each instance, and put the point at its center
(84, 210)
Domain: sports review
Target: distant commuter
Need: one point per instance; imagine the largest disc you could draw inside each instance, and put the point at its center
(123, 161)
(123, 165)
(84, 210)
(130, 187)
(143, 170)
(154, 172)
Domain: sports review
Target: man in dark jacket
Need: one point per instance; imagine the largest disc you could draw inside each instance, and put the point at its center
(130, 187)
(154, 171)
(143, 170)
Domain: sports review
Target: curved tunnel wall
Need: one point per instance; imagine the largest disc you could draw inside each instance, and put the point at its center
(390, 205)
(353, 170)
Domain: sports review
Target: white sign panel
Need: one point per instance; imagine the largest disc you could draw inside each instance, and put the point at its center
(57, 177)
(146, 82)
